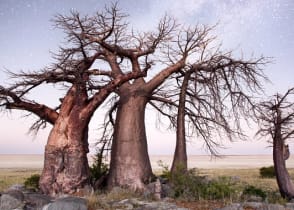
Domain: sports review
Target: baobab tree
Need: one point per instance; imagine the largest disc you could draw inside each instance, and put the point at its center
(215, 95)
(277, 121)
(130, 165)
(182, 51)
(88, 71)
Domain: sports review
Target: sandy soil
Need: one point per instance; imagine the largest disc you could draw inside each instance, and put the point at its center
(195, 161)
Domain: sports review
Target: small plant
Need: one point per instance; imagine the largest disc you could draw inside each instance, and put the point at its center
(165, 173)
(98, 168)
(32, 182)
(253, 191)
(267, 172)
(190, 186)
(220, 188)
(102, 200)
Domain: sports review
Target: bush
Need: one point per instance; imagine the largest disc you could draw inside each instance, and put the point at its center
(190, 186)
(32, 182)
(220, 188)
(251, 190)
(193, 187)
(98, 168)
(267, 172)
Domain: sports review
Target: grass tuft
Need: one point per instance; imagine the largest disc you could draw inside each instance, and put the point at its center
(103, 200)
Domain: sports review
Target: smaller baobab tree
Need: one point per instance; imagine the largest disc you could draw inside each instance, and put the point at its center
(210, 97)
(277, 121)
(215, 95)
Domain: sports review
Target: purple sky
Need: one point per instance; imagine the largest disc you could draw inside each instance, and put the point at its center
(252, 27)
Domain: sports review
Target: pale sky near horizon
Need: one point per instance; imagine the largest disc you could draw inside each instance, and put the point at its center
(250, 27)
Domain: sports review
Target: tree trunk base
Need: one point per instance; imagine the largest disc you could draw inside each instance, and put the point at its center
(132, 177)
(65, 170)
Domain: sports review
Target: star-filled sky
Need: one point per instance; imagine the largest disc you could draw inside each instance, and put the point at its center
(249, 27)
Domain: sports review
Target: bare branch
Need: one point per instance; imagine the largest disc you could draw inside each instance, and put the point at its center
(277, 117)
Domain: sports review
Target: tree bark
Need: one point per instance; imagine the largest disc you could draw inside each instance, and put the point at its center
(283, 178)
(130, 165)
(180, 155)
(66, 168)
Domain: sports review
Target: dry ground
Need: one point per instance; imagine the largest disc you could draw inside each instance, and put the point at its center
(9, 177)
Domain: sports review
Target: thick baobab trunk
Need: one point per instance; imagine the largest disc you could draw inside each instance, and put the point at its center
(66, 167)
(180, 155)
(130, 165)
(283, 178)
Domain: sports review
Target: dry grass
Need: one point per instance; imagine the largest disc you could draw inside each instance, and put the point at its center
(102, 200)
(246, 176)
(10, 177)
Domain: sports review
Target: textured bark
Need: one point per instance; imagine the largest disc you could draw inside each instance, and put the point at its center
(130, 165)
(283, 178)
(180, 155)
(66, 167)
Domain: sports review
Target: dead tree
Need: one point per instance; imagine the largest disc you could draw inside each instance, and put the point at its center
(88, 71)
(277, 121)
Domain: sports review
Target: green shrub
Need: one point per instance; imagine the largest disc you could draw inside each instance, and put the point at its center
(220, 188)
(32, 182)
(165, 173)
(267, 172)
(190, 186)
(98, 168)
(251, 190)
(193, 187)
